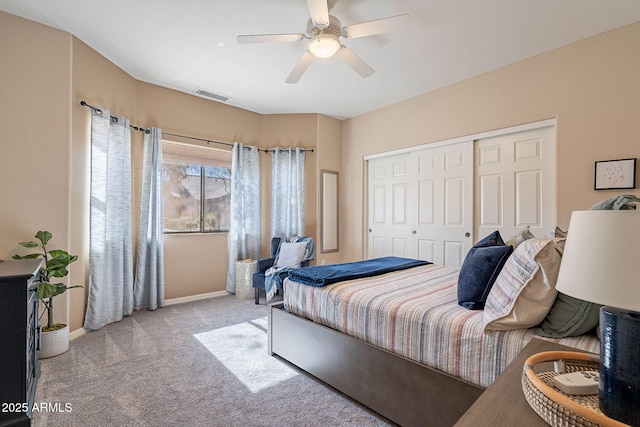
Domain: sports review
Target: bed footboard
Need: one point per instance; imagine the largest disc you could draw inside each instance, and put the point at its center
(397, 388)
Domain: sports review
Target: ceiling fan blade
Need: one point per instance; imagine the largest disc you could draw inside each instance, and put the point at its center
(269, 38)
(319, 11)
(379, 26)
(347, 56)
(300, 67)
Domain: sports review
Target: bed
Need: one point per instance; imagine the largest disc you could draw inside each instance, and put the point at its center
(400, 342)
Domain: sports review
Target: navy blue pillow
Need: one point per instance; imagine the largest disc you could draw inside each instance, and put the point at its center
(480, 269)
(493, 239)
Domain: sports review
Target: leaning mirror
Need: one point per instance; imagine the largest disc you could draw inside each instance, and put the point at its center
(329, 223)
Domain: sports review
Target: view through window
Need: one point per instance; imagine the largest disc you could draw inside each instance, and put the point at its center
(196, 196)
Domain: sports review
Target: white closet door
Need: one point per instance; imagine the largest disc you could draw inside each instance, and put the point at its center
(516, 183)
(391, 187)
(421, 204)
(444, 203)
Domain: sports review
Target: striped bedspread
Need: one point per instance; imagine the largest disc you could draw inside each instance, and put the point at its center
(415, 313)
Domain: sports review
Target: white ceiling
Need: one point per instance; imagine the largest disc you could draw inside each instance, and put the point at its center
(190, 44)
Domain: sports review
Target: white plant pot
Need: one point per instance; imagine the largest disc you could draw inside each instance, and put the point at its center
(54, 343)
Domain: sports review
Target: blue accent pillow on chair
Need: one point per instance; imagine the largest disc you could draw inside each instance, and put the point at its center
(480, 269)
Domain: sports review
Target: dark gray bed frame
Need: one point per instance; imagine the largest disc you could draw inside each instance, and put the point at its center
(397, 388)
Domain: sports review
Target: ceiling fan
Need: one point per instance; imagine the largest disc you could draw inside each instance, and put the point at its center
(324, 32)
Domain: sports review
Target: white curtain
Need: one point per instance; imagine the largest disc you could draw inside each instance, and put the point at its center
(110, 248)
(287, 192)
(149, 282)
(244, 225)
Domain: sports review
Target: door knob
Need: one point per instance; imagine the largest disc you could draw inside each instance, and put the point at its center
(413, 232)
(467, 234)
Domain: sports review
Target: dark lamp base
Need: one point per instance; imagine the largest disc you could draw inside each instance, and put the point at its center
(620, 365)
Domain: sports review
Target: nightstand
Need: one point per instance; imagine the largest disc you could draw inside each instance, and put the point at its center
(503, 403)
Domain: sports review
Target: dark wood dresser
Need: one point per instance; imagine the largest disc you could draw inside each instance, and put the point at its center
(19, 340)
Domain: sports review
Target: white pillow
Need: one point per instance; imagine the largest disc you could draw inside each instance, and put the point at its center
(525, 289)
(290, 254)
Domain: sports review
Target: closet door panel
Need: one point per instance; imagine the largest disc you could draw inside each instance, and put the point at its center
(378, 202)
(426, 249)
(454, 253)
(435, 202)
(399, 203)
(399, 247)
(426, 202)
(445, 176)
(391, 206)
(528, 198)
(453, 202)
(377, 247)
(516, 183)
(490, 209)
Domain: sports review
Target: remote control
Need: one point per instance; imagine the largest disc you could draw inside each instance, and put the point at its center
(582, 382)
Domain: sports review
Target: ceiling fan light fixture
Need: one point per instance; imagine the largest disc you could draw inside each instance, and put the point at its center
(324, 45)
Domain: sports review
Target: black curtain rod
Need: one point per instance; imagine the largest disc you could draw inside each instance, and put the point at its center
(271, 150)
(208, 141)
(113, 118)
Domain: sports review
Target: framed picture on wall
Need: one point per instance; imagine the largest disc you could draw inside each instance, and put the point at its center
(615, 174)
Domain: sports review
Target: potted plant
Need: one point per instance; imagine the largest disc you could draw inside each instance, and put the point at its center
(55, 336)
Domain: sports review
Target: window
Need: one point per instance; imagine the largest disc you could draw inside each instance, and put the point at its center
(196, 188)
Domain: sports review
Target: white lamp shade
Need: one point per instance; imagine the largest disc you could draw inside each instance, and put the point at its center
(601, 258)
(324, 45)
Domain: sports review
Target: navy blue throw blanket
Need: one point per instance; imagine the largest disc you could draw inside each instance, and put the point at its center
(322, 275)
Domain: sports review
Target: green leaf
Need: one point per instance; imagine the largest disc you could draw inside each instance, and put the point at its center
(57, 264)
(29, 244)
(29, 256)
(59, 253)
(57, 272)
(43, 236)
(49, 290)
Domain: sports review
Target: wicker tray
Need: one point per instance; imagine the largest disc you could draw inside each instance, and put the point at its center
(556, 407)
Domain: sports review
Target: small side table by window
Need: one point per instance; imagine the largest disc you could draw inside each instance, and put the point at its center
(244, 278)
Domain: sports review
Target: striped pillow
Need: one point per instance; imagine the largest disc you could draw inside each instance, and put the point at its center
(525, 289)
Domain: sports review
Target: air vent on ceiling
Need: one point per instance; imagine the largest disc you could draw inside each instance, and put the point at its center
(211, 95)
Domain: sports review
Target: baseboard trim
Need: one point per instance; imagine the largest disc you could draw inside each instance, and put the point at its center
(173, 301)
(77, 333)
(192, 298)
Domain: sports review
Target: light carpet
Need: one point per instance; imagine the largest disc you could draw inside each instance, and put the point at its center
(201, 363)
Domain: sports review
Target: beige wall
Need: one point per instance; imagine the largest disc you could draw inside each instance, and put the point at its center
(591, 87)
(329, 157)
(35, 137)
(46, 154)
